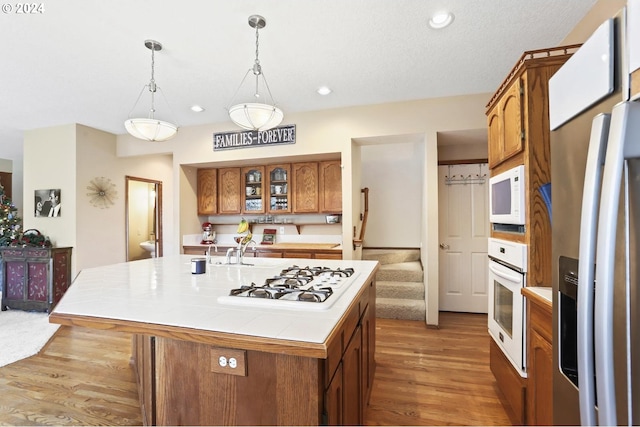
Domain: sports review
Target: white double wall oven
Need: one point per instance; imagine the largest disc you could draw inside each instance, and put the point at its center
(507, 277)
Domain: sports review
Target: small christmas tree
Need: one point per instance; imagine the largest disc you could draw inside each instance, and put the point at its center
(10, 222)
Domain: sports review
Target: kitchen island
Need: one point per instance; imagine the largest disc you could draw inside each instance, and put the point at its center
(203, 357)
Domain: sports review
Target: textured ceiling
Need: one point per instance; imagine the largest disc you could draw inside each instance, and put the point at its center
(84, 61)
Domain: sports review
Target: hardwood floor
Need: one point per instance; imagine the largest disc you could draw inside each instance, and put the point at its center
(423, 377)
(434, 376)
(82, 377)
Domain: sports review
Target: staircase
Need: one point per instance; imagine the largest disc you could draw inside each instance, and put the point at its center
(399, 283)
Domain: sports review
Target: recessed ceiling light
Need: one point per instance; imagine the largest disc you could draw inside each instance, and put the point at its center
(441, 20)
(323, 90)
(197, 109)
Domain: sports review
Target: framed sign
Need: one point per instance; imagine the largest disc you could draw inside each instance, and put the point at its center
(251, 138)
(269, 236)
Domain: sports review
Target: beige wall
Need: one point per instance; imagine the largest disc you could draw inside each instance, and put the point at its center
(602, 10)
(463, 152)
(51, 156)
(69, 157)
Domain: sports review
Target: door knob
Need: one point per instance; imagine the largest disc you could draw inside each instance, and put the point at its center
(443, 246)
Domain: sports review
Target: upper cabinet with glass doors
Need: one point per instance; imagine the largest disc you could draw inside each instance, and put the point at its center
(253, 184)
(279, 189)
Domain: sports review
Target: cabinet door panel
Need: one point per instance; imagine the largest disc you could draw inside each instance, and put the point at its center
(352, 381)
(540, 386)
(279, 191)
(37, 281)
(229, 190)
(495, 140)
(14, 280)
(305, 187)
(253, 189)
(512, 136)
(207, 191)
(330, 186)
(333, 398)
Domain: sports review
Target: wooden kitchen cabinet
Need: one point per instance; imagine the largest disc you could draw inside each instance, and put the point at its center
(519, 134)
(229, 188)
(253, 194)
(33, 278)
(279, 188)
(305, 187)
(330, 186)
(518, 121)
(504, 121)
(348, 392)
(207, 191)
(540, 363)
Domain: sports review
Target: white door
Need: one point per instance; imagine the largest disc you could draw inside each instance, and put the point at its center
(463, 217)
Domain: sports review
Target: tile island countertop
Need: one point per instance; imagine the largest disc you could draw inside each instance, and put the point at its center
(160, 296)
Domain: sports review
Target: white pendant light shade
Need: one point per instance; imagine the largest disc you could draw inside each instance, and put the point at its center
(151, 129)
(255, 116)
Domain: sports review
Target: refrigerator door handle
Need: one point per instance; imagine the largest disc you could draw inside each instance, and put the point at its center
(624, 136)
(588, 222)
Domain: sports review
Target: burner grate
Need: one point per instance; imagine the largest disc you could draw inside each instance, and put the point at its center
(295, 283)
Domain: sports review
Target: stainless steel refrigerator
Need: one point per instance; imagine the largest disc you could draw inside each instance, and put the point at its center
(595, 195)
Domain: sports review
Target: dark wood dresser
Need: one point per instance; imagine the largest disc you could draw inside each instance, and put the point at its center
(34, 278)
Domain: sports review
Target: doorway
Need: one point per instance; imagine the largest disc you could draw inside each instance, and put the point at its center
(463, 198)
(143, 213)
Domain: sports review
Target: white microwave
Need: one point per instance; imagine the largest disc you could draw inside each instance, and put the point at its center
(506, 197)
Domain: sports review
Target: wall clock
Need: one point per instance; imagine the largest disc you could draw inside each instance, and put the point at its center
(102, 192)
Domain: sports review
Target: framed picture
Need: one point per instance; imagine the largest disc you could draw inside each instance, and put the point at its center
(47, 203)
(269, 236)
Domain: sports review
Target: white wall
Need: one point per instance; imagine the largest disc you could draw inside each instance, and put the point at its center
(393, 174)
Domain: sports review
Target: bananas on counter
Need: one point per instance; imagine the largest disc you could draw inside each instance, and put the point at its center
(243, 226)
(247, 238)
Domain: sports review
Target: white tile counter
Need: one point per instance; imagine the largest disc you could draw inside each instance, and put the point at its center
(162, 294)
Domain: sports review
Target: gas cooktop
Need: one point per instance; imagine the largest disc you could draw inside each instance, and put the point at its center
(302, 288)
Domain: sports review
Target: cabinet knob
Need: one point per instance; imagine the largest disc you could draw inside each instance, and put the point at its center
(443, 246)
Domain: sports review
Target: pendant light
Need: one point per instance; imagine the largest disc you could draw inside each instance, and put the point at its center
(256, 115)
(150, 128)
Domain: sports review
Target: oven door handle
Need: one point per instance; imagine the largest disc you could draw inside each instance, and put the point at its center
(505, 276)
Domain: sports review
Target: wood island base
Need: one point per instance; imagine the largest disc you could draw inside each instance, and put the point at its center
(186, 383)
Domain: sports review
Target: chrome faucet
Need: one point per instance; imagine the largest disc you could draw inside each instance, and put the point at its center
(209, 252)
(244, 248)
(229, 252)
(240, 250)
